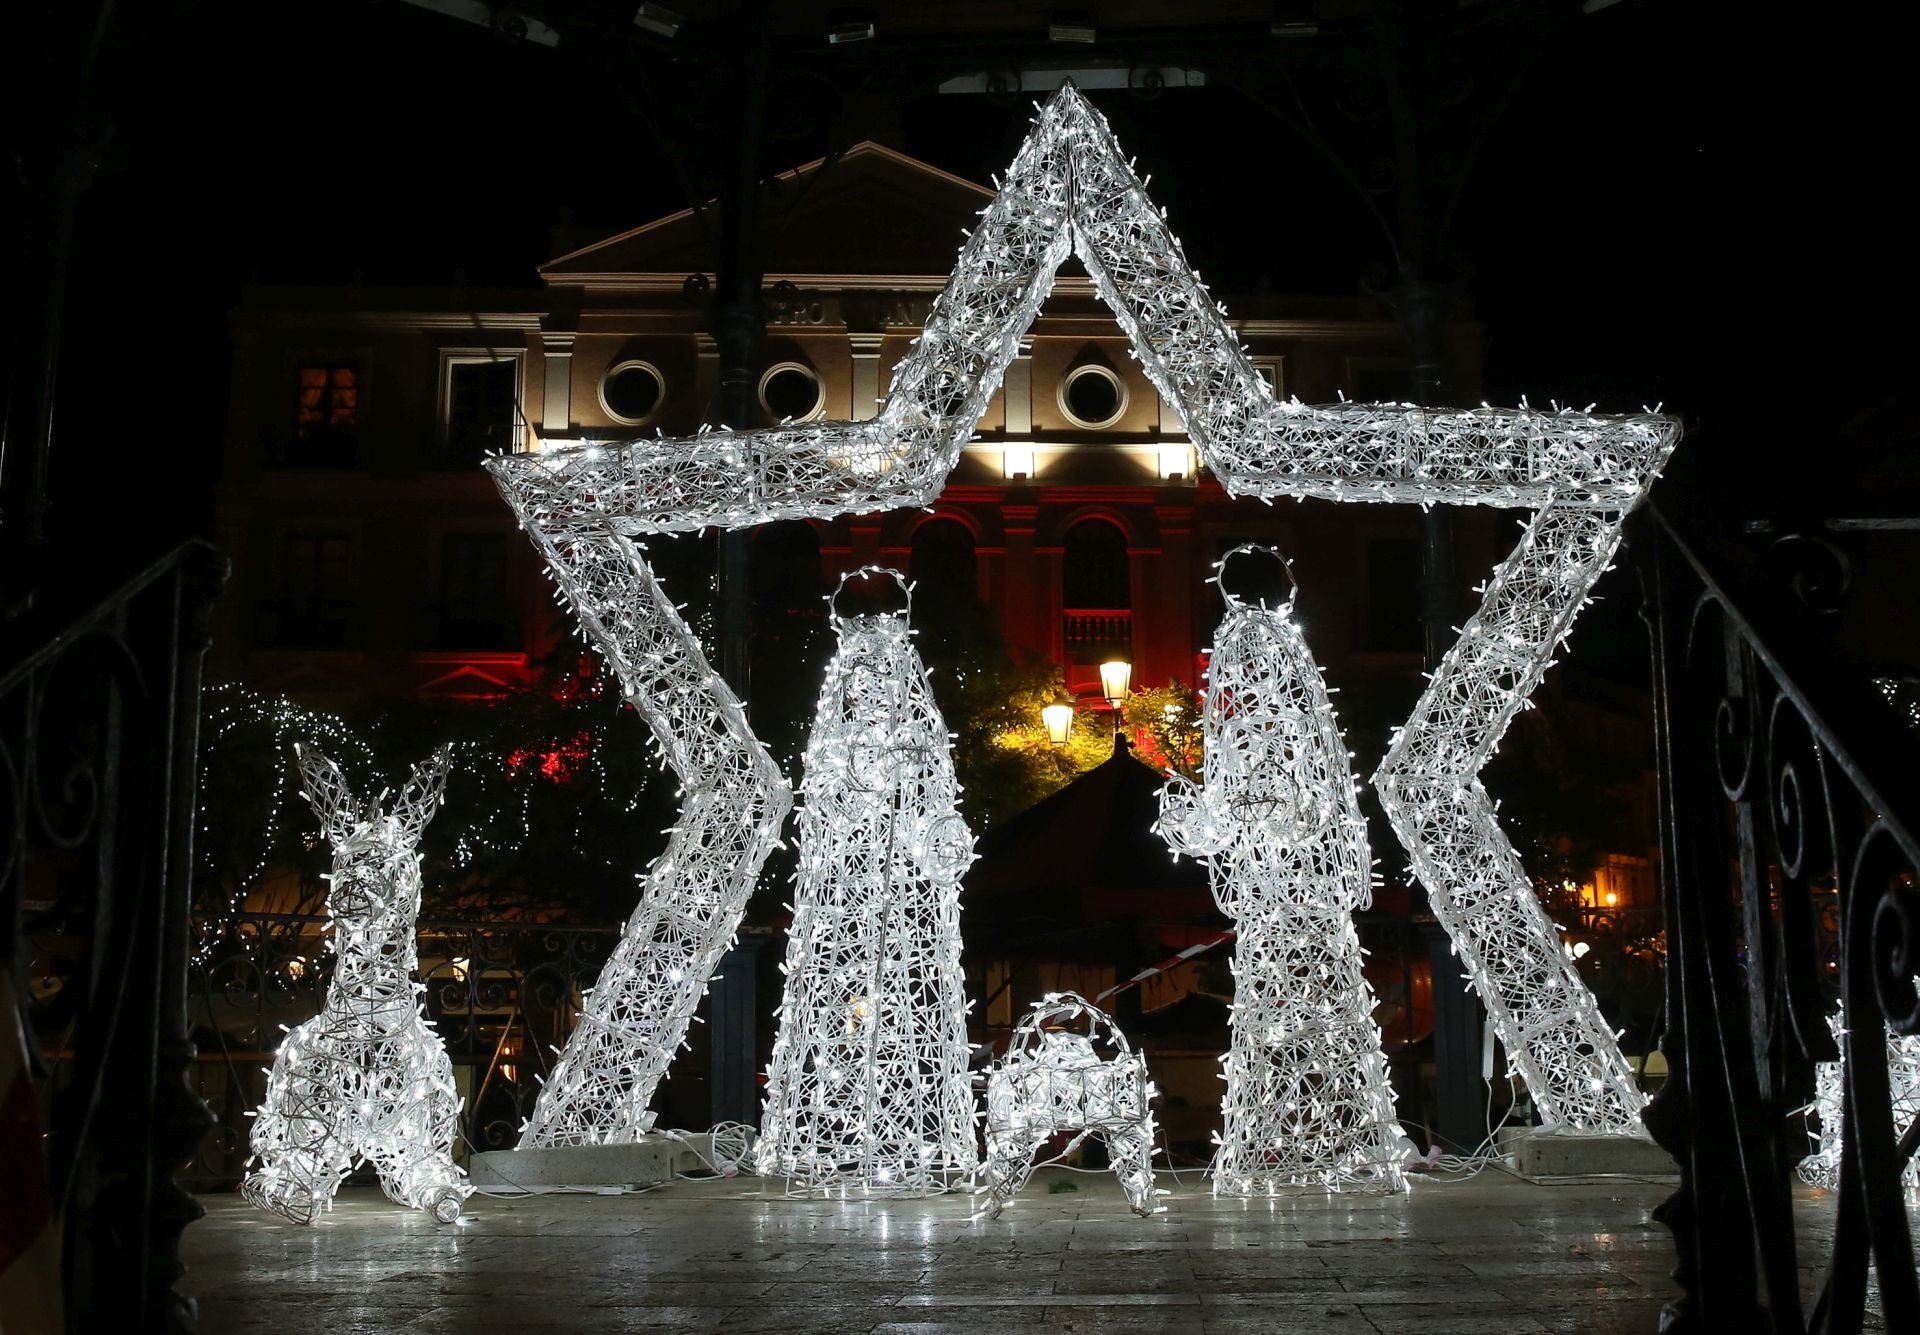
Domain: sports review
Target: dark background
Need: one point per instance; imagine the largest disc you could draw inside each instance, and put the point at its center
(1680, 205)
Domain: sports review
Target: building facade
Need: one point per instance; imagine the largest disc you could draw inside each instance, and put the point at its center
(373, 557)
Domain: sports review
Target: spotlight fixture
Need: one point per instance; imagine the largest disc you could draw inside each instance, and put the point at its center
(849, 25)
(659, 20)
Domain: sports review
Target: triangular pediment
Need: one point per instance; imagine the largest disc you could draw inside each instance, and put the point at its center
(872, 212)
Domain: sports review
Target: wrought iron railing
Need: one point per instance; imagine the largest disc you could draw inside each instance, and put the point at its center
(502, 995)
(99, 717)
(1787, 801)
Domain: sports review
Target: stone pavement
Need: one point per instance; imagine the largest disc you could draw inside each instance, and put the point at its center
(1488, 1254)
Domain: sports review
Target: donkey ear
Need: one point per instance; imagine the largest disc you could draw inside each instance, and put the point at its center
(422, 795)
(327, 792)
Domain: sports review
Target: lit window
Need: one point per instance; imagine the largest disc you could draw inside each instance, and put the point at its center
(632, 392)
(1092, 396)
(791, 391)
(326, 411)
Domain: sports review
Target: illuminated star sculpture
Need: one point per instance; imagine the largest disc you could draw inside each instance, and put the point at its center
(367, 1078)
(1070, 190)
(868, 1089)
(1278, 823)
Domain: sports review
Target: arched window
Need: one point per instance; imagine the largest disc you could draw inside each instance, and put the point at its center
(1096, 592)
(942, 565)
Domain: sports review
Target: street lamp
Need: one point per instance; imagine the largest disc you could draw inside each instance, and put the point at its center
(1059, 720)
(1116, 674)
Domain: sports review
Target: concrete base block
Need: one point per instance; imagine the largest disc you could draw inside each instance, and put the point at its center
(646, 1162)
(1538, 1154)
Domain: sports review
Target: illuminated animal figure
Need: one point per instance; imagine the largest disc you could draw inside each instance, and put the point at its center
(1053, 1080)
(367, 1078)
(1279, 826)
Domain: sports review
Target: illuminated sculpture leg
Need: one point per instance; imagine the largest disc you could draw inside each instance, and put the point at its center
(695, 893)
(1541, 1009)
(1277, 821)
(868, 1088)
(1052, 1080)
(367, 1077)
(1822, 1167)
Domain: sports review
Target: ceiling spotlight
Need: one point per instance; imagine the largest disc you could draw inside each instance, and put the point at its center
(849, 25)
(659, 19)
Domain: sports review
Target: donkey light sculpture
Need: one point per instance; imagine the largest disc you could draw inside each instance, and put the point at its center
(367, 1078)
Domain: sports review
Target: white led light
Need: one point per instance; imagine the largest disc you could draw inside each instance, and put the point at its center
(873, 980)
(1277, 820)
(1071, 191)
(367, 1078)
(1054, 1080)
(1822, 1167)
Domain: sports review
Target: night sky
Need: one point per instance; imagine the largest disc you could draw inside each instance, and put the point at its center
(1610, 231)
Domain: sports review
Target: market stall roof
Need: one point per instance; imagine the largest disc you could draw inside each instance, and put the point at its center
(1088, 854)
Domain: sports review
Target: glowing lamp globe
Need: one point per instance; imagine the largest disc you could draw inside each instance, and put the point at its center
(1059, 721)
(1116, 675)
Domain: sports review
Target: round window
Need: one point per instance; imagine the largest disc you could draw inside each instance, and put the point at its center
(790, 390)
(1092, 396)
(632, 392)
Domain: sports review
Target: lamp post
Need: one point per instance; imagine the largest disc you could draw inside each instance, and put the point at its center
(1059, 720)
(1116, 675)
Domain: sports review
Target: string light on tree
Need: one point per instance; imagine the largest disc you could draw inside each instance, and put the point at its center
(1277, 821)
(868, 1089)
(1070, 190)
(367, 1078)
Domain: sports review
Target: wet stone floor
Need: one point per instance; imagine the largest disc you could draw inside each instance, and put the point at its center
(1492, 1253)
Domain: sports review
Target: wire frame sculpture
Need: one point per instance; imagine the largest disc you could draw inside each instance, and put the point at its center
(1278, 823)
(1822, 1167)
(367, 1078)
(734, 800)
(868, 1089)
(1054, 1081)
(1070, 190)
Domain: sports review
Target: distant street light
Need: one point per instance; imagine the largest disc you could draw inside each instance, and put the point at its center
(1116, 675)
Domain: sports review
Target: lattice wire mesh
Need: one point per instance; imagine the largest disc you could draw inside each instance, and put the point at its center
(733, 802)
(868, 1089)
(367, 1078)
(1054, 1081)
(1069, 188)
(1277, 821)
(1822, 1167)
(1545, 1016)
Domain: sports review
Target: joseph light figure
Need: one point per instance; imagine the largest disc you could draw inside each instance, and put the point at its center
(1277, 822)
(367, 1078)
(868, 1087)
